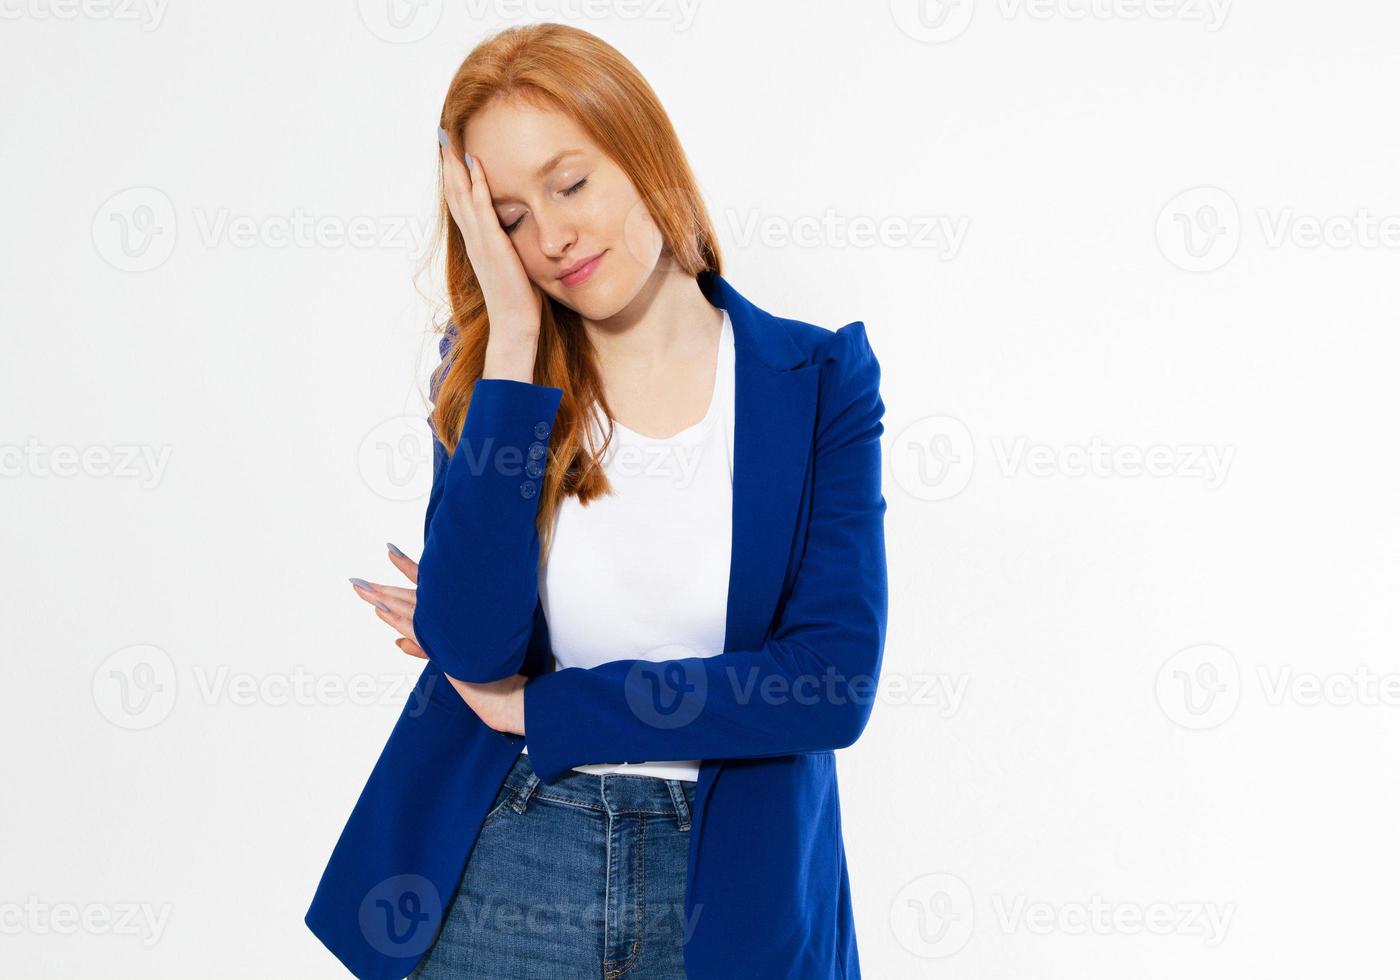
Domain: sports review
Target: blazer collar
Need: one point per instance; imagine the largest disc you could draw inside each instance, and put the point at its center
(754, 328)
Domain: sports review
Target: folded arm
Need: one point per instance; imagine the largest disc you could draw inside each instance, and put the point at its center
(811, 686)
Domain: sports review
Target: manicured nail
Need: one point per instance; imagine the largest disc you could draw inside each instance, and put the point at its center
(381, 605)
(442, 138)
(362, 584)
(395, 550)
(469, 161)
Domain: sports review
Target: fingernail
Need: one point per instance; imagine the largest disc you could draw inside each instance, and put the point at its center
(362, 584)
(395, 550)
(442, 138)
(469, 160)
(381, 605)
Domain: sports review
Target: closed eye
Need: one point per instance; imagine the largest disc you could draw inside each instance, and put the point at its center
(568, 191)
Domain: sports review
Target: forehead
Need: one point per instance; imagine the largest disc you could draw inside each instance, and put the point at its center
(516, 138)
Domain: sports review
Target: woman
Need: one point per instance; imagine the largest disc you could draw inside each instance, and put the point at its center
(652, 593)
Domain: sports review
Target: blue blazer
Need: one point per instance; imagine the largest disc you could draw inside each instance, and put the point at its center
(767, 889)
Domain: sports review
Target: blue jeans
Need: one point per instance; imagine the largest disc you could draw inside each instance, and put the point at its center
(584, 878)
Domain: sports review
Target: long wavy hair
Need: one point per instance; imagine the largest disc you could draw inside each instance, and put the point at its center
(564, 68)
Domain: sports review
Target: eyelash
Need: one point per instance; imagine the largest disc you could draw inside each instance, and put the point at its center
(566, 192)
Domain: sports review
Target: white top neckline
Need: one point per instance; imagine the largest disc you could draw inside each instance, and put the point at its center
(696, 431)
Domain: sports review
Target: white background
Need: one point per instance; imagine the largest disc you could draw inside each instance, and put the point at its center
(1135, 658)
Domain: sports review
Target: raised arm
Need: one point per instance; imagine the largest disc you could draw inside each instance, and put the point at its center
(811, 686)
(478, 574)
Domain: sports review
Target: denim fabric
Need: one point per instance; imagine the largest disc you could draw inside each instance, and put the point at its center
(581, 878)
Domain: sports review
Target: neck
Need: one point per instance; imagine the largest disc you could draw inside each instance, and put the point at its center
(669, 318)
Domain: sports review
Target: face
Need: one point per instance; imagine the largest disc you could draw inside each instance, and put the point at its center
(561, 201)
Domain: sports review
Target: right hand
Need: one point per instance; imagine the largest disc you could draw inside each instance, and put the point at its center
(513, 302)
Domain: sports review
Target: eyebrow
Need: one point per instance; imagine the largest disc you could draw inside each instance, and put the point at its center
(546, 167)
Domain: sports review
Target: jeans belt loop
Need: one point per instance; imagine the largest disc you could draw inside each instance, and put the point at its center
(682, 807)
(523, 793)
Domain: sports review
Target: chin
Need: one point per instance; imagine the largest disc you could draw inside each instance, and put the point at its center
(596, 299)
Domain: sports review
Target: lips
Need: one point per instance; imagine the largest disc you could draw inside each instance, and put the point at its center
(580, 271)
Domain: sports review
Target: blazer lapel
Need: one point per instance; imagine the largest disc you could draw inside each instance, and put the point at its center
(774, 421)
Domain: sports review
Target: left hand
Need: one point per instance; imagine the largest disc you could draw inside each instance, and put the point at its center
(500, 704)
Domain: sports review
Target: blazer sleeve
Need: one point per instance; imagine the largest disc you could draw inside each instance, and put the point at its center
(477, 577)
(810, 686)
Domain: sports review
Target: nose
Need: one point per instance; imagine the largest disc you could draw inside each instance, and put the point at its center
(557, 234)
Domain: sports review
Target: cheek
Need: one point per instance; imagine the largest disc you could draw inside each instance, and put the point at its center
(639, 233)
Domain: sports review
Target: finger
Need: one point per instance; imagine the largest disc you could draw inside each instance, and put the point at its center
(410, 648)
(394, 592)
(403, 563)
(403, 624)
(395, 604)
(456, 182)
(481, 194)
(366, 591)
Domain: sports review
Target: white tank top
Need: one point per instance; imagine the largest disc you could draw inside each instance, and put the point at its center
(643, 573)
